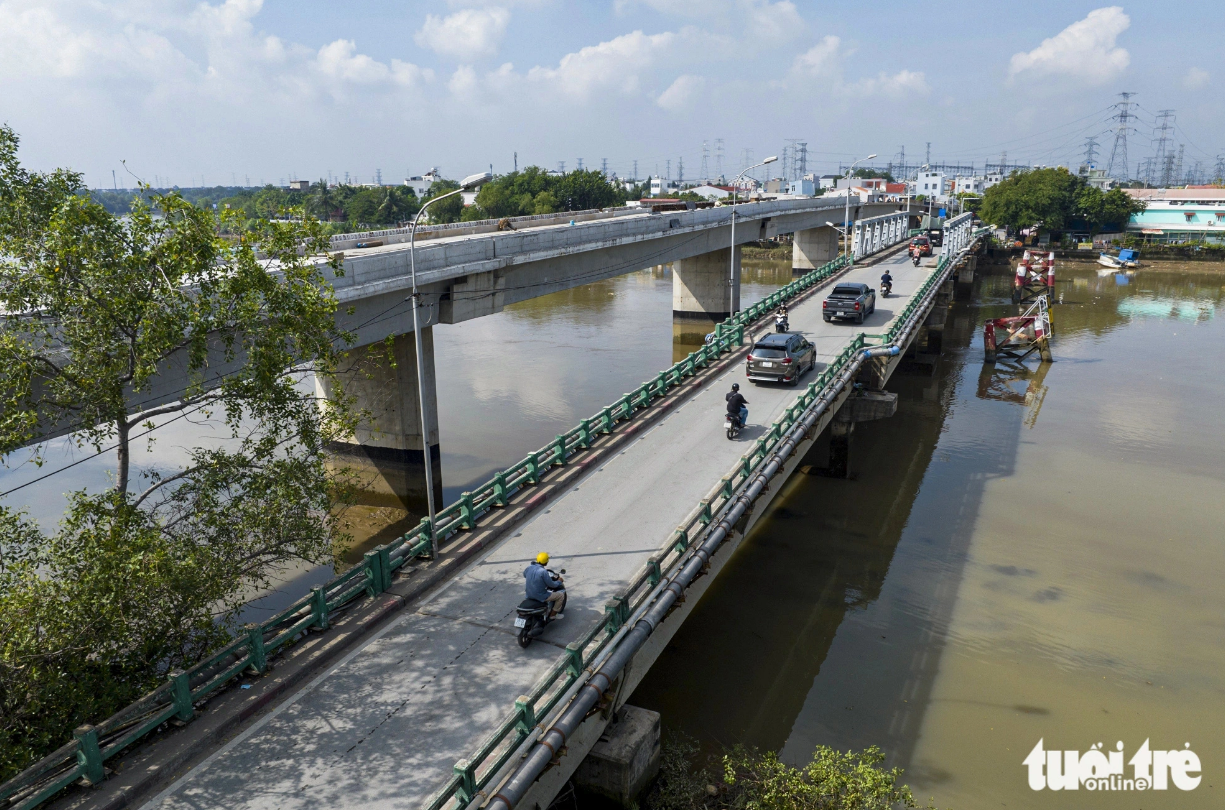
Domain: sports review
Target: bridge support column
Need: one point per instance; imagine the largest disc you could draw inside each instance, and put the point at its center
(386, 450)
(812, 248)
(624, 760)
(705, 287)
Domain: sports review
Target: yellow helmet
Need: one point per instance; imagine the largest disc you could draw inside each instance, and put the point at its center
(542, 558)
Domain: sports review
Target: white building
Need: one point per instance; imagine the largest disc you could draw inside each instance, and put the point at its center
(931, 184)
(421, 184)
(828, 181)
(969, 185)
(992, 179)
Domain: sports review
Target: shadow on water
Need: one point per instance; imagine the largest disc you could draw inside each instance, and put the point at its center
(793, 645)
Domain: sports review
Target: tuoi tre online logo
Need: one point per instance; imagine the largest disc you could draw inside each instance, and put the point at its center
(1096, 770)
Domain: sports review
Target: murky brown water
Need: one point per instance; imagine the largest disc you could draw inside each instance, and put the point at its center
(1024, 554)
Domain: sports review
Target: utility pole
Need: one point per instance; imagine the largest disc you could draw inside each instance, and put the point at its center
(114, 180)
(1118, 166)
(516, 161)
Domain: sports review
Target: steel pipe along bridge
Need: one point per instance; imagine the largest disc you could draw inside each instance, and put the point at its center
(439, 707)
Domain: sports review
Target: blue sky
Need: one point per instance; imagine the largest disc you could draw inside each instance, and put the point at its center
(212, 91)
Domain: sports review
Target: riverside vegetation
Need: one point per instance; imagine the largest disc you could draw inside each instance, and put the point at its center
(146, 575)
(747, 779)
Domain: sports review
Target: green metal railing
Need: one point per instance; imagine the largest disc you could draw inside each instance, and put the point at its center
(91, 746)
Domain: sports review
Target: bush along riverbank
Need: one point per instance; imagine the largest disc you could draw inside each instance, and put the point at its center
(747, 778)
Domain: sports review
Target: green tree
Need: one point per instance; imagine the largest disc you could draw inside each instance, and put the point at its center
(749, 780)
(1107, 209)
(448, 210)
(1046, 197)
(587, 189)
(545, 203)
(147, 574)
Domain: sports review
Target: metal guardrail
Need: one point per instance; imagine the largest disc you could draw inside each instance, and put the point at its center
(874, 234)
(84, 756)
(528, 720)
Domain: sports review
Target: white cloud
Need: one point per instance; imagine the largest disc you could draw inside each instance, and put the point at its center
(1085, 50)
(681, 93)
(755, 22)
(1195, 78)
(615, 64)
(902, 83)
(467, 34)
(821, 59)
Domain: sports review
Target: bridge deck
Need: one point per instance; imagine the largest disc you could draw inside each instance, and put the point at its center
(384, 727)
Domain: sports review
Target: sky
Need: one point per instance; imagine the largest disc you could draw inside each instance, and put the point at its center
(261, 91)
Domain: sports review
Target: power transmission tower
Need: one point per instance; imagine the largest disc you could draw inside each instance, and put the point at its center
(1118, 166)
(561, 167)
(719, 157)
(635, 171)
(1220, 169)
(516, 161)
(378, 177)
(580, 164)
(1196, 176)
(1090, 152)
(928, 160)
(604, 166)
(680, 171)
(704, 174)
(1178, 164)
(668, 170)
(802, 160)
(1159, 159)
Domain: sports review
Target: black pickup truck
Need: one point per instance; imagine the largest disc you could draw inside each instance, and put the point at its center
(849, 300)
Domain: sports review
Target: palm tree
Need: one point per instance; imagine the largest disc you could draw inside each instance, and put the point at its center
(321, 201)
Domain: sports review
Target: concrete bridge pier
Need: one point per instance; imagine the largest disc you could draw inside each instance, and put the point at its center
(386, 450)
(965, 277)
(705, 290)
(865, 406)
(812, 248)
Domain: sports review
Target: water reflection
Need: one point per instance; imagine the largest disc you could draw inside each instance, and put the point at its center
(980, 586)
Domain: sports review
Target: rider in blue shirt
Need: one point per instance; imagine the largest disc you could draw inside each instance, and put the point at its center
(542, 587)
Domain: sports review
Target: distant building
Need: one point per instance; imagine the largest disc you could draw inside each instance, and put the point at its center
(711, 192)
(992, 179)
(1097, 178)
(421, 183)
(969, 185)
(299, 185)
(828, 181)
(1179, 214)
(931, 184)
(802, 188)
(776, 185)
(660, 186)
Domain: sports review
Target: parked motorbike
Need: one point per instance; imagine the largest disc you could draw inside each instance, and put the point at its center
(533, 615)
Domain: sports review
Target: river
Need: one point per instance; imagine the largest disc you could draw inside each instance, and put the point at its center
(1023, 554)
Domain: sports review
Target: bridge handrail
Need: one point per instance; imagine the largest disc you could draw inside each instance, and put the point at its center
(91, 746)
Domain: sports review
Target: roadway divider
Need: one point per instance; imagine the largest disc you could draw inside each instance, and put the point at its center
(84, 756)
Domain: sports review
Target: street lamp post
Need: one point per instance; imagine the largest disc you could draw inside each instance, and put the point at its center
(470, 182)
(731, 273)
(846, 216)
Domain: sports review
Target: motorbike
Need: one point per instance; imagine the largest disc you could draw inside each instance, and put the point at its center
(533, 615)
(915, 257)
(886, 287)
(781, 324)
(733, 425)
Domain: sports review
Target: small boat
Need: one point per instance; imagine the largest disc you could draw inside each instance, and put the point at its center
(1126, 259)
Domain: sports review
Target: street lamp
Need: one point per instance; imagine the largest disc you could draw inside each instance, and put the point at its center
(731, 273)
(846, 216)
(469, 182)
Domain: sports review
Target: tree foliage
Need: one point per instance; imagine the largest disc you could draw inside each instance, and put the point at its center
(1056, 200)
(747, 779)
(146, 574)
(535, 191)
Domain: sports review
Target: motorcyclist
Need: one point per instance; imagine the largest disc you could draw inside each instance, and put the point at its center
(886, 280)
(542, 587)
(780, 318)
(737, 405)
